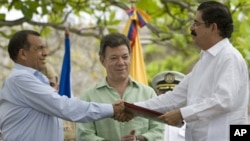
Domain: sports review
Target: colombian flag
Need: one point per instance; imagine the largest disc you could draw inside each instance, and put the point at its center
(137, 18)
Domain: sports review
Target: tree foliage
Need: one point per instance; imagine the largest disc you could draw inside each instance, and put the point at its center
(166, 39)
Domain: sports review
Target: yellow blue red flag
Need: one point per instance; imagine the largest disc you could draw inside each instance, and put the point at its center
(137, 18)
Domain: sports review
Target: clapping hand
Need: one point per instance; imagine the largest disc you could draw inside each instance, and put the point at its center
(119, 112)
(129, 137)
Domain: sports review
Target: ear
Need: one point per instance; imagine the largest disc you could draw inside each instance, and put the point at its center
(215, 30)
(22, 54)
(101, 60)
(214, 27)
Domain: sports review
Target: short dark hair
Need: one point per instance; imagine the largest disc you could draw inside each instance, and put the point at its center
(19, 41)
(113, 40)
(215, 12)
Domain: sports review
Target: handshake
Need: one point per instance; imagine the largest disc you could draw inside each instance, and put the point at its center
(119, 112)
(172, 117)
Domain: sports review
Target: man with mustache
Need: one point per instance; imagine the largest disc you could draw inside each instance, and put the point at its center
(215, 93)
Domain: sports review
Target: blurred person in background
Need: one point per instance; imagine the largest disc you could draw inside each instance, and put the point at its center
(162, 83)
(68, 126)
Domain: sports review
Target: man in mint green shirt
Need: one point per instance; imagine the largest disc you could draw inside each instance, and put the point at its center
(115, 57)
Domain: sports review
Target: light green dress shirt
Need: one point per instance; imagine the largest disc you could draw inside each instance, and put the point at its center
(112, 130)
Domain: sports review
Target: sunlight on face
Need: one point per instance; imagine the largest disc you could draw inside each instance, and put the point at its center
(200, 33)
(37, 53)
(117, 62)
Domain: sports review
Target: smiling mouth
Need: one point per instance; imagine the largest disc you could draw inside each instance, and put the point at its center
(43, 60)
(121, 70)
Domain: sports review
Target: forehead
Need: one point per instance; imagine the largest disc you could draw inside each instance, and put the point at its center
(35, 40)
(119, 50)
(198, 16)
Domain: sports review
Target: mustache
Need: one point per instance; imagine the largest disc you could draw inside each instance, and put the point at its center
(193, 33)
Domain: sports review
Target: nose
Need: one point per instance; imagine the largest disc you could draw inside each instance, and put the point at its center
(120, 61)
(45, 52)
(192, 27)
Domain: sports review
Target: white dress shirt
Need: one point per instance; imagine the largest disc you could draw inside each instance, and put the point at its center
(212, 97)
(173, 133)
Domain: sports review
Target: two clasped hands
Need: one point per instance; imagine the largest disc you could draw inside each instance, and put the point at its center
(172, 117)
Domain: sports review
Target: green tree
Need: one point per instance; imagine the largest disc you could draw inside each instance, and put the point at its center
(167, 46)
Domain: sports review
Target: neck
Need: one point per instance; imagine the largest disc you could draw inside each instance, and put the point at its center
(118, 85)
(212, 43)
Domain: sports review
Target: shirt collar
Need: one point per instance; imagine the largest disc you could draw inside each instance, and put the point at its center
(104, 83)
(35, 72)
(215, 49)
(22, 67)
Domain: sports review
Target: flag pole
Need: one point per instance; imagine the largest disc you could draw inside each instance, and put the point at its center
(133, 3)
(66, 33)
